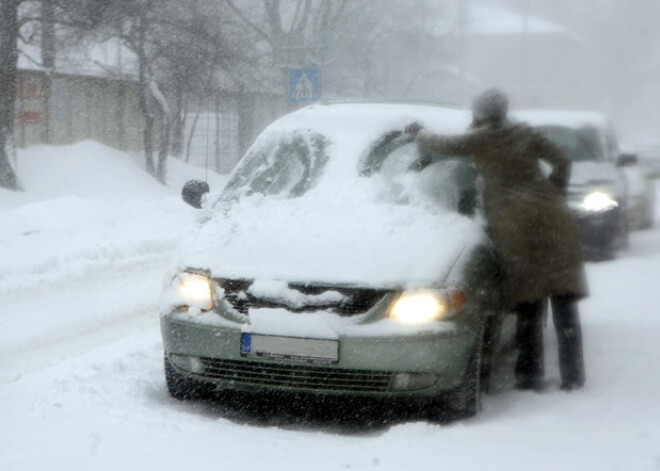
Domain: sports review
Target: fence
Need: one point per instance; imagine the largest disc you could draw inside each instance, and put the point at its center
(75, 108)
(71, 108)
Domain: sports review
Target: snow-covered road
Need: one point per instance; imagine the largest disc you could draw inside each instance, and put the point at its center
(76, 315)
(82, 387)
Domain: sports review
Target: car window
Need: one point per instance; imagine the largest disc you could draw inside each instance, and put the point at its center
(444, 180)
(287, 166)
(612, 145)
(581, 145)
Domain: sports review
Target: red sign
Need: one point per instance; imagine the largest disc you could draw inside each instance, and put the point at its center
(27, 118)
(28, 90)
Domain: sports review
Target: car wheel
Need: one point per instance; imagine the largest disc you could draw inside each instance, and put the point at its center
(625, 234)
(469, 403)
(180, 387)
(465, 400)
(649, 211)
(618, 242)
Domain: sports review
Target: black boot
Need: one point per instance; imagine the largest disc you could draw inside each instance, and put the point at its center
(529, 340)
(569, 340)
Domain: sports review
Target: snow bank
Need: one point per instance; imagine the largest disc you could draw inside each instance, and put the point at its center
(86, 207)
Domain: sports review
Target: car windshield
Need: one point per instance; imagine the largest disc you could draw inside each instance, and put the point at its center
(286, 165)
(581, 145)
(443, 180)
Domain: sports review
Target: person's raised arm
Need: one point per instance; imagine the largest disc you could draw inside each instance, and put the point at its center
(466, 145)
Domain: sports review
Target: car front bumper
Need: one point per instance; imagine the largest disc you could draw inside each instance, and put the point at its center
(420, 365)
(601, 232)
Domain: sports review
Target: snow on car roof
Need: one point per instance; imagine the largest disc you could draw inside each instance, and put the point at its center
(567, 118)
(353, 127)
(335, 119)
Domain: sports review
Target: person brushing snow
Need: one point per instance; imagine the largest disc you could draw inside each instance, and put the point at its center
(531, 227)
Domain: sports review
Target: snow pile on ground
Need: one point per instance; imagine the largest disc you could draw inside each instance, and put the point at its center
(81, 376)
(86, 206)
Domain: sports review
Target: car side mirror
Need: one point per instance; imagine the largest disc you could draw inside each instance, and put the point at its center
(193, 192)
(627, 159)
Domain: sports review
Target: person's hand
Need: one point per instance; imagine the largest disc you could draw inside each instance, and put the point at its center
(412, 129)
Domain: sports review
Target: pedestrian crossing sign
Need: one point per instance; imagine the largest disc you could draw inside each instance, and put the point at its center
(304, 85)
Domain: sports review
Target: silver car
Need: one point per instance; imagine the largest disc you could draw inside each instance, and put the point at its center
(337, 261)
(598, 191)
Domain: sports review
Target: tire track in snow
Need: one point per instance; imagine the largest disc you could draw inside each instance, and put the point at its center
(69, 317)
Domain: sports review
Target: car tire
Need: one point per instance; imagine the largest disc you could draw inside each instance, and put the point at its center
(179, 387)
(469, 403)
(649, 210)
(465, 400)
(618, 242)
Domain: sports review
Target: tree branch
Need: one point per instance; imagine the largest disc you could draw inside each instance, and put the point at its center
(247, 21)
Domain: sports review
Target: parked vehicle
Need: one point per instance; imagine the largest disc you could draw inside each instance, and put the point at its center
(598, 192)
(641, 191)
(338, 262)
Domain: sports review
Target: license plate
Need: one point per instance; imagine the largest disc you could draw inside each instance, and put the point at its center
(290, 348)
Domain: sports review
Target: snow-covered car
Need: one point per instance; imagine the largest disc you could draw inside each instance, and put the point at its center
(339, 261)
(598, 189)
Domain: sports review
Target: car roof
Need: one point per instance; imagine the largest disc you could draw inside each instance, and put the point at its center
(334, 119)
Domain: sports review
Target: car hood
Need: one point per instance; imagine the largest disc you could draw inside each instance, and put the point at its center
(593, 173)
(342, 241)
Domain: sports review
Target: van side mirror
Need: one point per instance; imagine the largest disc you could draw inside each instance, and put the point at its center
(627, 159)
(193, 192)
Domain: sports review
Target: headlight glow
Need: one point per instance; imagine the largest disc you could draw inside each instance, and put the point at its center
(417, 307)
(597, 201)
(195, 290)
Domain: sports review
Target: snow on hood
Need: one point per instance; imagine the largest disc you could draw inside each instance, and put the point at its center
(348, 230)
(330, 241)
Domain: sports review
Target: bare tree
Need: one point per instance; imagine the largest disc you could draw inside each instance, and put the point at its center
(362, 51)
(19, 19)
(178, 46)
(205, 48)
(291, 27)
(9, 30)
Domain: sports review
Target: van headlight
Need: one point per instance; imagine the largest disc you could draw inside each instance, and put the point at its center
(598, 201)
(419, 306)
(191, 290)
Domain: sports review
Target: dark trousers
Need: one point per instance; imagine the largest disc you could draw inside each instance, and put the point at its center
(529, 340)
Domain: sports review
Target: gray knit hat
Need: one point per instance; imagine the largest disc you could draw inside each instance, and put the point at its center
(490, 105)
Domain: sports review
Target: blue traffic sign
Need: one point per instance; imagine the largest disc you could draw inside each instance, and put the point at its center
(304, 85)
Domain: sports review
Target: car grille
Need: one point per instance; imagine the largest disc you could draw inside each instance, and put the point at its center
(299, 377)
(357, 300)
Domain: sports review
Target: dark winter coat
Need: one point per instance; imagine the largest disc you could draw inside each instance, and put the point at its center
(529, 220)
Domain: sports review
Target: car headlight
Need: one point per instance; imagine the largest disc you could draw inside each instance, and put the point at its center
(416, 307)
(598, 201)
(192, 290)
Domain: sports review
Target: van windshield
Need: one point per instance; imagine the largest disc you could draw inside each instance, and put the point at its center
(581, 145)
(286, 166)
